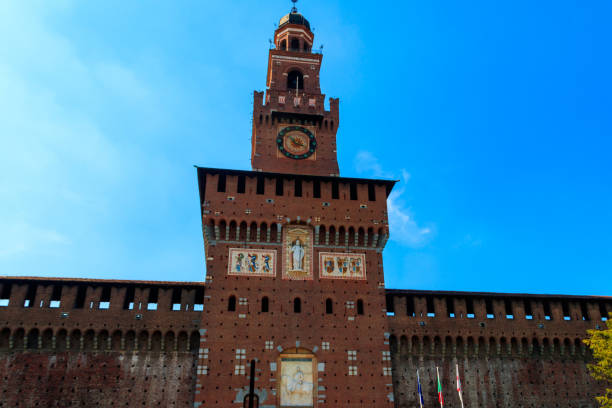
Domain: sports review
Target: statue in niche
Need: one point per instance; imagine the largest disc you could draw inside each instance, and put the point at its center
(298, 255)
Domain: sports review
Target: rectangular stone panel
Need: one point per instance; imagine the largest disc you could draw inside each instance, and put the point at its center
(252, 262)
(337, 265)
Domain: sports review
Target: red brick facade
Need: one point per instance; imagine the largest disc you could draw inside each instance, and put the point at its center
(294, 282)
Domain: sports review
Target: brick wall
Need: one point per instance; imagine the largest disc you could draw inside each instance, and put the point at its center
(87, 343)
(512, 350)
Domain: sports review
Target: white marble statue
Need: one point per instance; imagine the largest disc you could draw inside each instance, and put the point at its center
(298, 255)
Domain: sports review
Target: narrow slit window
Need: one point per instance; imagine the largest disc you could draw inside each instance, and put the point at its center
(335, 190)
(6, 294)
(489, 309)
(566, 312)
(353, 191)
(265, 305)
(30, 296)
(152, 301)
(360, 309)
(603, 312)
(221, 183)
(528, 311)
(390, 305)
(329, 306)
(298, 187)
(241, 187)
(279, 186)
(128, 302)
(297, 305)
(450, 307)
(316, 189)
(547, 312)
(469, 306)
(371, 192)
(410, 306)
(584, 311)
(231, 304)
(198, 300)
(79, 301)
(508, 307)
(260, 185)
(431, 311)
(105, 297)
(176, 299)
(56, 297)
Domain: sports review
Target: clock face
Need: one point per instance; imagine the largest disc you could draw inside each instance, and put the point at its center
(296, 142)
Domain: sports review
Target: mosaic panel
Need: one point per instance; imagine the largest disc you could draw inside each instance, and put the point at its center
(251, 262)
(336, 265)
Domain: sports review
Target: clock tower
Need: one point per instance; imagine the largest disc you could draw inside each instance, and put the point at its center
(294, 255)
(292, 131)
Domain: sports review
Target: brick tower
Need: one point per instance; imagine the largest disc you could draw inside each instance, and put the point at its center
(294, 255)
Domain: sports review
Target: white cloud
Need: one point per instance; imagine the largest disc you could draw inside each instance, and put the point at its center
(366, 163)
(61, 170)
(404, 228)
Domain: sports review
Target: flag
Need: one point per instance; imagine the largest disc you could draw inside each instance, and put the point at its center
(421, 401)
(459, 385)
(440, 398)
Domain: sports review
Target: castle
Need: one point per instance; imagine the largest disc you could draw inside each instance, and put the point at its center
(295, 284)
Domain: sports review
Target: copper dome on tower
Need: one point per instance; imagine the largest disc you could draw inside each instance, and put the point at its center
(294, 18)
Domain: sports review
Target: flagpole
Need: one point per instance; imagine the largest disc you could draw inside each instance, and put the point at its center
(439, 389)
(459, 390)
(419, 389)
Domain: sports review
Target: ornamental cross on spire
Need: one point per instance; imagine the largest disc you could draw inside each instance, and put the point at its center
(294, 8)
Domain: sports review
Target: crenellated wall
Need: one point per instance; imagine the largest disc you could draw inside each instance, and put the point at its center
(87, 343)
(512, 350)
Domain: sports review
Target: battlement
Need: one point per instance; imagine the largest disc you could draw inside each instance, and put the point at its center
(247, 206)
(498, 323)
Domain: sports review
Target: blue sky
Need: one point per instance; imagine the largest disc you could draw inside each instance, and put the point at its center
(495, 116)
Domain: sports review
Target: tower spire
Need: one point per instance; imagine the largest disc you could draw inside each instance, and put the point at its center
(294, 8)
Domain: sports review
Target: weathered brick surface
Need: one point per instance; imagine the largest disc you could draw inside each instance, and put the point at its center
(88, 350)
(512, 350)
(103, 379)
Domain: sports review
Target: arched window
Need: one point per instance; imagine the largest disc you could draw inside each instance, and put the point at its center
(295, 80)
(329, 306)
(360, 307)
(283, 45)
(297, 305)
(295, 44)
(231, 304)
(265, 304)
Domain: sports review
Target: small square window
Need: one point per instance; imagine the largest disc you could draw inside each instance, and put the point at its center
(239, 370)
(281, 99)
(352, 370)
(386, 356)
(269, 345)
(387, 370)
(352, 355)
(325, 345)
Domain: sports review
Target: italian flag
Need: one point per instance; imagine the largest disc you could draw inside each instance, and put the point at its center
(459, 385)
(440, 397)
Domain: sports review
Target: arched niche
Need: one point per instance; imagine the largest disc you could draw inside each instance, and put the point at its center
(297, 377)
